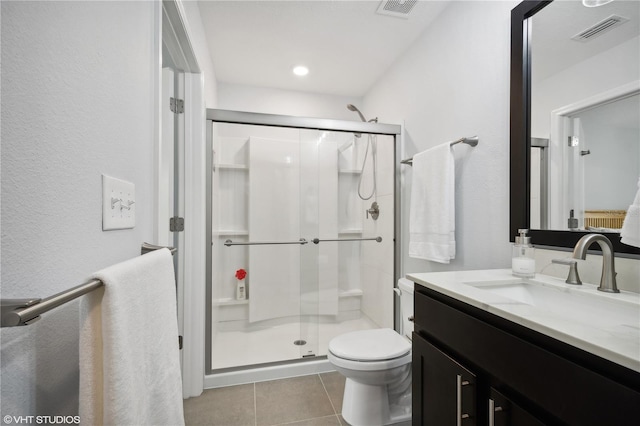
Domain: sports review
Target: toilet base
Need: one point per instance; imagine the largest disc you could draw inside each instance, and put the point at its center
(368, 405)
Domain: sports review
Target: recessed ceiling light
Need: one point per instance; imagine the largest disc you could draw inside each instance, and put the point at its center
(300, 70)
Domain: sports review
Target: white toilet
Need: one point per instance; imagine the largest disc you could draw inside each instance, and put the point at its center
(377, 365)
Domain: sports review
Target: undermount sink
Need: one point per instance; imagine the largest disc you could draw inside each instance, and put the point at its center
(528, 292)
(575, 303)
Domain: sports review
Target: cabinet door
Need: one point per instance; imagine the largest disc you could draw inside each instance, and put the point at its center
(444, 392)
(504, 412)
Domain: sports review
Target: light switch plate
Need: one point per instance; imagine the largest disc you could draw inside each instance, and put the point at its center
(118, 204)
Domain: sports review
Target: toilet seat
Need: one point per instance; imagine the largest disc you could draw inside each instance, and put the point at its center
(369, 365)
(377, 349)
(370, 345)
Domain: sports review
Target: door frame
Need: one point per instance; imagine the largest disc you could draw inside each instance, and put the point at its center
(559, 151)
(173, 33)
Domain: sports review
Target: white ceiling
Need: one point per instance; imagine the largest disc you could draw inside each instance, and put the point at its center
(552, 29)
(346, 44)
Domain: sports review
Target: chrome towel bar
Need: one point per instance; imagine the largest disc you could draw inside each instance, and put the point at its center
(472, 141)
(229, 243)
(302, 241)
(378, 239)
(16, 312)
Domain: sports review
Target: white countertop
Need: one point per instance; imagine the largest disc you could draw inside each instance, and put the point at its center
(605, 324)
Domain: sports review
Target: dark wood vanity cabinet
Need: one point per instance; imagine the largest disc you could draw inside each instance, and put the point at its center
(471, 367)
(449, 388)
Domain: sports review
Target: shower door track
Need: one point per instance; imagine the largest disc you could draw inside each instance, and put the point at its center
(275, 120)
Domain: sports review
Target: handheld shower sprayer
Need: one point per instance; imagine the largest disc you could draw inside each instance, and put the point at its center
(351, 107)
(372, 142)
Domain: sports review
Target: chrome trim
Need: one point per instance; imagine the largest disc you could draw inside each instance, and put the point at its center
(472, 141)
(229, 243)
(377, 239)
(240, 117)
(460, 416)
(492, 407)
(458, 400)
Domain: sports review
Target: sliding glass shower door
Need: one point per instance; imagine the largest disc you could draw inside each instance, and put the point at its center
(288, 230)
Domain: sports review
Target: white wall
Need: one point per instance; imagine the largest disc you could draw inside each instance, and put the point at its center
(454, 82)
(585, 79)
(78, 83)
(287, 102)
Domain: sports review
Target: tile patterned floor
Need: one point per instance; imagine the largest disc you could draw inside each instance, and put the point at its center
(314, 400)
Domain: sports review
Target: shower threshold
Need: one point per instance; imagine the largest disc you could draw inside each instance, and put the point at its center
(270, 371)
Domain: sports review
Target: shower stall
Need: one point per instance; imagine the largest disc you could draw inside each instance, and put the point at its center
(296, 254)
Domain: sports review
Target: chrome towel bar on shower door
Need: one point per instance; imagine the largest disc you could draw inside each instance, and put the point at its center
(378, 239)
(229, 243)
(302, 241)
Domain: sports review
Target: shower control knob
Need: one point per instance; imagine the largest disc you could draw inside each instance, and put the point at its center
(374, 211)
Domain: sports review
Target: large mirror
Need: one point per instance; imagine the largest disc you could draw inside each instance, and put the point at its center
(575, 119)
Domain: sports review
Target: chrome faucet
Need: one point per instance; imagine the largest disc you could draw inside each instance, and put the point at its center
(608, 278)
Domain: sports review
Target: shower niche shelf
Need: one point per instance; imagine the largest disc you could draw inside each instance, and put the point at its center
(227, 301)
(229, 232)
(228, 166)
(349, 172)
(350, 231)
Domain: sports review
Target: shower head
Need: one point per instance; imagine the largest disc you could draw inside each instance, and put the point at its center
(353, 108)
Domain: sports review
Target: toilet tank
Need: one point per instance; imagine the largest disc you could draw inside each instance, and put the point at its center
(406, 306)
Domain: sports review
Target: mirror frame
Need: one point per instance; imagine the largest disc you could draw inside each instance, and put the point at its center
(520, 140)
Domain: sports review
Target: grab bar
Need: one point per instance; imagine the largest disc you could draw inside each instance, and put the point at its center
(229, 243)
(16, 312)
(378, 239)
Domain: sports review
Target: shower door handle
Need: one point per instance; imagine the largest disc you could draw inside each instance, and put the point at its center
(229, 243)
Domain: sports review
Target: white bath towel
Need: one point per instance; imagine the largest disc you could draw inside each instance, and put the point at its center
(129, 356)
(432, 210)
(630, 232)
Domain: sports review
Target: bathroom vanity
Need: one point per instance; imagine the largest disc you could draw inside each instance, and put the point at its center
(492, 349)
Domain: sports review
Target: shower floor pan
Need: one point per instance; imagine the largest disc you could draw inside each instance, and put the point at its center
(237, 348)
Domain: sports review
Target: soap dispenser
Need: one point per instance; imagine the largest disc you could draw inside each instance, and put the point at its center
(523, 263)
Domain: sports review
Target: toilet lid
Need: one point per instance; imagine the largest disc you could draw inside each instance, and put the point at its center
(370, 345)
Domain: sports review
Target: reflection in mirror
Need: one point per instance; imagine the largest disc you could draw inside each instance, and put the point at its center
(585, 115)
(550, 87)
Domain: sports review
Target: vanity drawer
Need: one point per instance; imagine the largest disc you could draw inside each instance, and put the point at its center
(532, 367)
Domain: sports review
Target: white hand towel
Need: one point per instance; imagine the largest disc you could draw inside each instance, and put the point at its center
(432, 209)
(630, 232)
(129, 356)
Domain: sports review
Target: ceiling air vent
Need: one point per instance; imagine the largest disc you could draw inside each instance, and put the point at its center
(600, 28)
(396, 8)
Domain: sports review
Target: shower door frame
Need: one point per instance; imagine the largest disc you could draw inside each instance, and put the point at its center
(309, 123)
